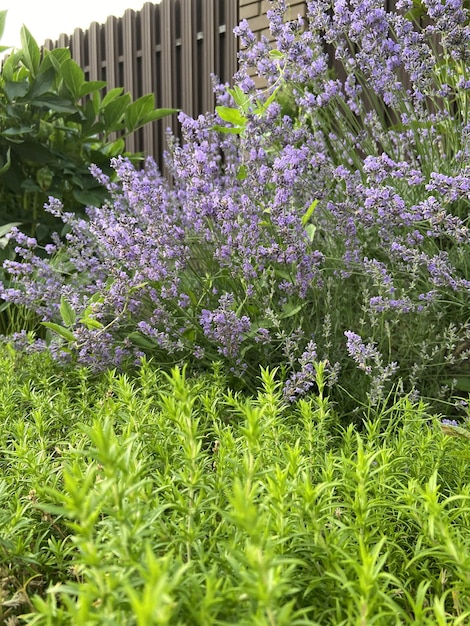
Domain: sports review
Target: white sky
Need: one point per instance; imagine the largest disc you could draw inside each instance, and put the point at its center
(47, 19)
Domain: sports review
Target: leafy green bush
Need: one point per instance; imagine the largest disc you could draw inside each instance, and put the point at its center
(54, 125)
(168, 500)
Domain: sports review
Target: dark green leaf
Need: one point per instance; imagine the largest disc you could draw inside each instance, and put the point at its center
(74, 77)
(158, 114)
(33, 152)
(5, 228)
(42, 83)
(54, 103)
(90, 323)
(30, 51)
(116, 148)
(10, 65)
(114, 112)
(88, 198)
(136, 111)
(142, 341)
(54, 58)
(15, 90)
(290, 309)
(92, 85)
(67, 313)
(60, 330)
(6, 166)
(111, 95)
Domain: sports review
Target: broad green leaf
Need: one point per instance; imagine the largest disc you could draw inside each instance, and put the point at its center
(158, 114)
(91, 86)
(262, 106)
(3, 19)
(115, 148)
(190, 334)
(95, 298)
(6, 228)
(240, 98)
(74, 77)
(138, 110)
(4, 240)
(67, 313)
(91, 323)
(54, 58)
(462, 384)
(42, 83)
(114, 112)
(15, 90)
(310, 229)
(111, 95)
(230, 115)
(290, 309)
(60, 330)
(10, 65)
(309, 212)
(54, 103)
(232, 130)
(33, 152)
(242, 172)
(142, 341)
(88, 198)
(282, 274)
(89, 122)
(30, 51)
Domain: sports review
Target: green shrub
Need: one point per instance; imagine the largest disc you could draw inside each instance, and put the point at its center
(168, 500)
(54, 125)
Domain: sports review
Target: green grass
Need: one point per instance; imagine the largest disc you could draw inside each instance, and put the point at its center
(166, 500)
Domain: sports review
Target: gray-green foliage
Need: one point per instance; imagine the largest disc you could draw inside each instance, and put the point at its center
(167, 500)
(53, 125)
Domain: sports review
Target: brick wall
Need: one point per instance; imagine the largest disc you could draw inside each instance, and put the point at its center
(255, 12)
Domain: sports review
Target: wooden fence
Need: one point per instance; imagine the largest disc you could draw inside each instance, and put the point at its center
(169, 49)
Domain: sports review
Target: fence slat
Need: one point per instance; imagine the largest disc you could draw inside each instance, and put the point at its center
(128, 29)
(148, 59)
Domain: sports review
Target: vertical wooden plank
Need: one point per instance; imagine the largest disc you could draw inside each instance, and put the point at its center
(207, 63)
(111, 55)
(231, 21)
(188, 43)
(128, 24)
(94, 51)
(167, 54)
(168, 50)
(167, 66)
(63, 41)
(76, 47)
(148, 62)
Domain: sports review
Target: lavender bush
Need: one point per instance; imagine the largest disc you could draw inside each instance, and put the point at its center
(321, 218)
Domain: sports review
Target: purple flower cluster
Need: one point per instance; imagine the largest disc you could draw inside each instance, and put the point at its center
(225, 328)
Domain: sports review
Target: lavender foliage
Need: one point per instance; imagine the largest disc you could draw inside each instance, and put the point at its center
(236, 262)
